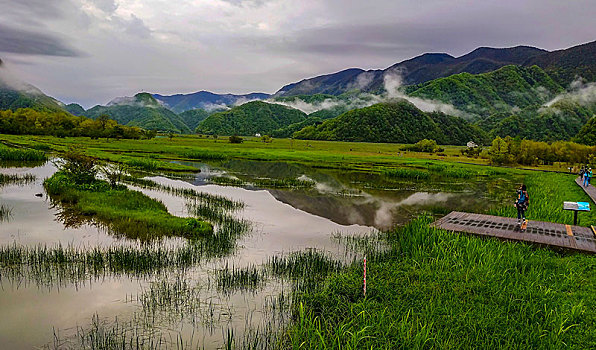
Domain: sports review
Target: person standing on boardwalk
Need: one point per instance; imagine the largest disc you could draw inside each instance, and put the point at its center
(587, 177)
(522, 202)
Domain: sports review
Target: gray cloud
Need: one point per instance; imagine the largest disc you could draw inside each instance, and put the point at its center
(239, 46)
(108, 6)
(26, 42)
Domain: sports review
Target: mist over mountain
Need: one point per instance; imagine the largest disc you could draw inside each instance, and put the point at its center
(15, 94)
(417, 70)
(398, 121)
(141, 110)
(499, 90)
(206, 100)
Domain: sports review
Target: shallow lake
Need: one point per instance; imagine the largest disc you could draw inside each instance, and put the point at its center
(50, 313)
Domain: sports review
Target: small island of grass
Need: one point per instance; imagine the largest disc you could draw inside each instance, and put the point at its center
(122, 210)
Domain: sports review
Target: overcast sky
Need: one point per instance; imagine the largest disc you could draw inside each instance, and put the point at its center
(90, 51)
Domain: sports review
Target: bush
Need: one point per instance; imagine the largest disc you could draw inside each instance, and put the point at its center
(78, 167)
(236, 139)
(267, 139)
(429, 146)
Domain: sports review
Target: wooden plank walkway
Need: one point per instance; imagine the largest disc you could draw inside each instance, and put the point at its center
(545, 233)
(590, 190)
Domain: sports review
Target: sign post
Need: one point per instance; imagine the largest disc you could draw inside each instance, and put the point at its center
(575, 207)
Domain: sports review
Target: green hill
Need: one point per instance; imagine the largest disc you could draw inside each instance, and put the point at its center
(193, 117)
(506, 89)
(143, 111)
(75, 109)
(587, 134)
(250, 118)
(397, 122)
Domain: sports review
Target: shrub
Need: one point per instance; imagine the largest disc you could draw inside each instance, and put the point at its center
(236, 139)
(425, 145)
(78, 167)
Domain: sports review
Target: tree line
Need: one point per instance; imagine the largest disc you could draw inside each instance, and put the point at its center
(527, 152)
(27, 121)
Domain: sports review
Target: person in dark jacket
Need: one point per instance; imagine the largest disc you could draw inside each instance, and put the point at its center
(522, 202)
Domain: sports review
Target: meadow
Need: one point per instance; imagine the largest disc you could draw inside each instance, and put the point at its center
(438, 289)
(426, 287)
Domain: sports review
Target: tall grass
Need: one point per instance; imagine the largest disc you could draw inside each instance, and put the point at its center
(263, 182)
(8, 179)
(210, 199)
(5, 212)
(62, 265)
(406, 173)
(21, 154)
(143, 163)
(437, 289)
(203, 155)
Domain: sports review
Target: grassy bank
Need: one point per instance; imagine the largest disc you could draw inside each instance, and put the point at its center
(159, 152)
(438, 289)
(124, 211)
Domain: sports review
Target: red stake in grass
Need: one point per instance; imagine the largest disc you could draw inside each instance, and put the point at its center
(365, 276)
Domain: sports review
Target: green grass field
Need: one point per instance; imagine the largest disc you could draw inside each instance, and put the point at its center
(431, 288)
(161, 151)
(436, 289)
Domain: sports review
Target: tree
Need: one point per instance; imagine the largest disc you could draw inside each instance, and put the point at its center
(236, 139)
(499, 151)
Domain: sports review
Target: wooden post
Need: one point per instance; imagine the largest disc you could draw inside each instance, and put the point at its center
(365, 276)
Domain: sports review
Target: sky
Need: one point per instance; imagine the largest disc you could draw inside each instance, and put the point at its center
(90, 51)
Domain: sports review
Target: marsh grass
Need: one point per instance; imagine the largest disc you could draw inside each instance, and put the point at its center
(203, 155)
(406, 173)
(438, 289)
(227, 181)
(15, 179)
(65, 265)
(107, 335)
(230, 280)
(143, 164)
(5, 212)
(305, 268)
(124, 211)
(21, 154)
(263, 182)
(189, 193)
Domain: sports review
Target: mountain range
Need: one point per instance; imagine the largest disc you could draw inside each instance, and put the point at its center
(508, 91)
(206, 100)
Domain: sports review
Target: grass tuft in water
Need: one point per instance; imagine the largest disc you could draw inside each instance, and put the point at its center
(15, 179)
(406, 173)
(21, 154)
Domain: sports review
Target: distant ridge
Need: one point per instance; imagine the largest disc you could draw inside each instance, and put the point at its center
(567, 65)
(206, 100)
(420, 69)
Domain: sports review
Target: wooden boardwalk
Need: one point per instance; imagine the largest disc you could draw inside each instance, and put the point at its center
(590, 190)
(545, 233)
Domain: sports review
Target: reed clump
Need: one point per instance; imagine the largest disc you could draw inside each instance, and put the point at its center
(406, 173)
(21, 154)
(16, 179)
